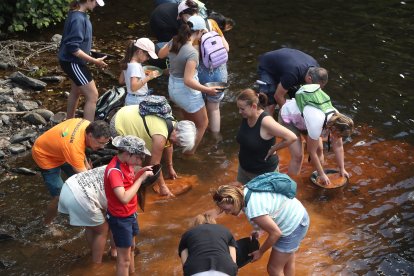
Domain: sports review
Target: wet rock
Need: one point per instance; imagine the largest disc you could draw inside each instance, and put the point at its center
(23, 135)
(4, 264)
(58, 117)
(24, 105)
(5, 237)
(23, 170)
(21, 78)
(34, 119)
(2, 154)
(46, 114)
(17, 148)
(4, 143)
(5, 119)
(53, 79)
(6, 99)
(56, 38)
(4, 65)
(17, 92)
(27, 144)
(8, 108)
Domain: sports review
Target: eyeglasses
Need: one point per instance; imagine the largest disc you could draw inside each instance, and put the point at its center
(102, 143)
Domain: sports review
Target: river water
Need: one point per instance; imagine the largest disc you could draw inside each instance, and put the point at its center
(363, 228)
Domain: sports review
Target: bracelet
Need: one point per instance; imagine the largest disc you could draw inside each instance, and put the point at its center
(169, 165)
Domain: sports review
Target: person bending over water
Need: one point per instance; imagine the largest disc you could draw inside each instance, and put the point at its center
(285, 221)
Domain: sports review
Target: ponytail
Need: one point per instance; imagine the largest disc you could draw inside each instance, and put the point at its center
(251, 97)
(184, 34)
(129, 53)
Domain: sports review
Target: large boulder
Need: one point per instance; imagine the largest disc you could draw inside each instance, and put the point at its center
(34, 119)
(25, 105)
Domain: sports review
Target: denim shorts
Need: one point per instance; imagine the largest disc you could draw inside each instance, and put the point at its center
(123, 229)
(53, 180)
(269, 88)
(78, 216)
(134, 99)
(218, 74)
(290, 244)
(186, 98)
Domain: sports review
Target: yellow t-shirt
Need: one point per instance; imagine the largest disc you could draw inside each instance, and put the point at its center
(129, 122)
(63, 143)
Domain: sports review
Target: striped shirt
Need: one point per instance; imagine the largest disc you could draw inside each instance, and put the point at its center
(286, 213)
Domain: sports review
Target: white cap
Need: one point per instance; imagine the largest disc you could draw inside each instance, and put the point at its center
(100, 3)
(147, 45)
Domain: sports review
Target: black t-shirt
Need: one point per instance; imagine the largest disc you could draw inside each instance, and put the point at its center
(287, 66)
(163, 21)
(208, 249)
(253, 148)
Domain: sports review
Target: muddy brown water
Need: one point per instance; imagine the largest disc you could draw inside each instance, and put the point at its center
(363, 228)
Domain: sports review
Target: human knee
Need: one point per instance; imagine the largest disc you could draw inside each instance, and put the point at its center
(273, 270)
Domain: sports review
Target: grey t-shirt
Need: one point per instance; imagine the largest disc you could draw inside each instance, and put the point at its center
(178, 61)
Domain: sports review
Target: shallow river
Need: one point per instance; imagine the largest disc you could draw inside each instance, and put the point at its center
(364, 228)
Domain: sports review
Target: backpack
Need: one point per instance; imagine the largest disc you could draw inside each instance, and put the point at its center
(213, 53)
(109, 102)
(313, 95)
(158, 106)
(272, 182)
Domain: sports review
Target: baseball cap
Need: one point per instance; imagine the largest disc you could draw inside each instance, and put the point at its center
(147, 45)
(197, 23)
(131, 144)
(100, 3)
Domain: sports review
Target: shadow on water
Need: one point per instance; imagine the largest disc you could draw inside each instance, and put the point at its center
(363, 228)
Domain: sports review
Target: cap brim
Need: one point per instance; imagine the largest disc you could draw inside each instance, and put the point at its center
(147, 152)
(100, 3)
(153, 55)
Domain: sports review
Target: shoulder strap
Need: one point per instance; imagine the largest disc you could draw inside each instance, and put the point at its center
(207, 25)
(169, 123)
(247, 197)
(326, 118)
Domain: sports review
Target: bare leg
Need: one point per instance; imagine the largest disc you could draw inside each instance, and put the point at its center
(51, 211)
(278, 262)
(123, 261)
(213, 111)
(200, 120)
(296, 157)
(91, 96)
(132, 257)
(96, 237)
(73, 100)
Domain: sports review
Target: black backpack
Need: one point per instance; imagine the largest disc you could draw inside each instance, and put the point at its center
(110, 102)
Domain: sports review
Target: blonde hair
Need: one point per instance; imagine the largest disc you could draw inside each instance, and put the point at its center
(343, 123)
(229, 194)
(203, 219)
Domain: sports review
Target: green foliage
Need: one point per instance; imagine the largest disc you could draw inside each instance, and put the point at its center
(19, 15)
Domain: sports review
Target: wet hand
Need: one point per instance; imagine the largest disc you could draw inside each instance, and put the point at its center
(271, 152)
(212, 91)
(256, 255)
(344, 173)
(171, 172)
(323, 179)
(153, 74)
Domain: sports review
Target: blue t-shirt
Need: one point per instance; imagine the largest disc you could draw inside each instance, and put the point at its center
(287, 66)
(77, 34)
(286, 213)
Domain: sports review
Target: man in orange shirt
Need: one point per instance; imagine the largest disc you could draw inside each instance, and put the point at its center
(63, 148)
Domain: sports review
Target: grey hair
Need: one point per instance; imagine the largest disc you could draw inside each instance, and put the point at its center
(186, 133)
(318, 75)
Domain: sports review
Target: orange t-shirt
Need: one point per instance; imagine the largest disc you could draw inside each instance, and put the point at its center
(64, 143)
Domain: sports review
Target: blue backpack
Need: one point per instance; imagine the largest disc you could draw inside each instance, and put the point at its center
(272, 182)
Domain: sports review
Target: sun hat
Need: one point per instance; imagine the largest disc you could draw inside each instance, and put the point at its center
(147, 45)
(131, 144)
(182, 6)
(197, 23)
(100, 3)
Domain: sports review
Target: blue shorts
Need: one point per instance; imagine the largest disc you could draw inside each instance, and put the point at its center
(185, 97)
(123, 229)
(290, 244)
(269, 88)
(78, 73)
(53, 180)
(218, 74)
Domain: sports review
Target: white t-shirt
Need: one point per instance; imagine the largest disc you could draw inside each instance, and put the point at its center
(88, 189)
(312, 120)
(135, 69)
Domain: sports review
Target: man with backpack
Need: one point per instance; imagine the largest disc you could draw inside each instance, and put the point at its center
(282, 71)
(156, 127)
(311, 114)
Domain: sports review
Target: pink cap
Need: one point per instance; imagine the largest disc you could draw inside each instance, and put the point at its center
(146, 45)
(182, 6)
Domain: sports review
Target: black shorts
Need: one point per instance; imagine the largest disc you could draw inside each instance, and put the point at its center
(78, 73)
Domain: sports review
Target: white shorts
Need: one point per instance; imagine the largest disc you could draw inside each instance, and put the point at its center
(78, 216)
